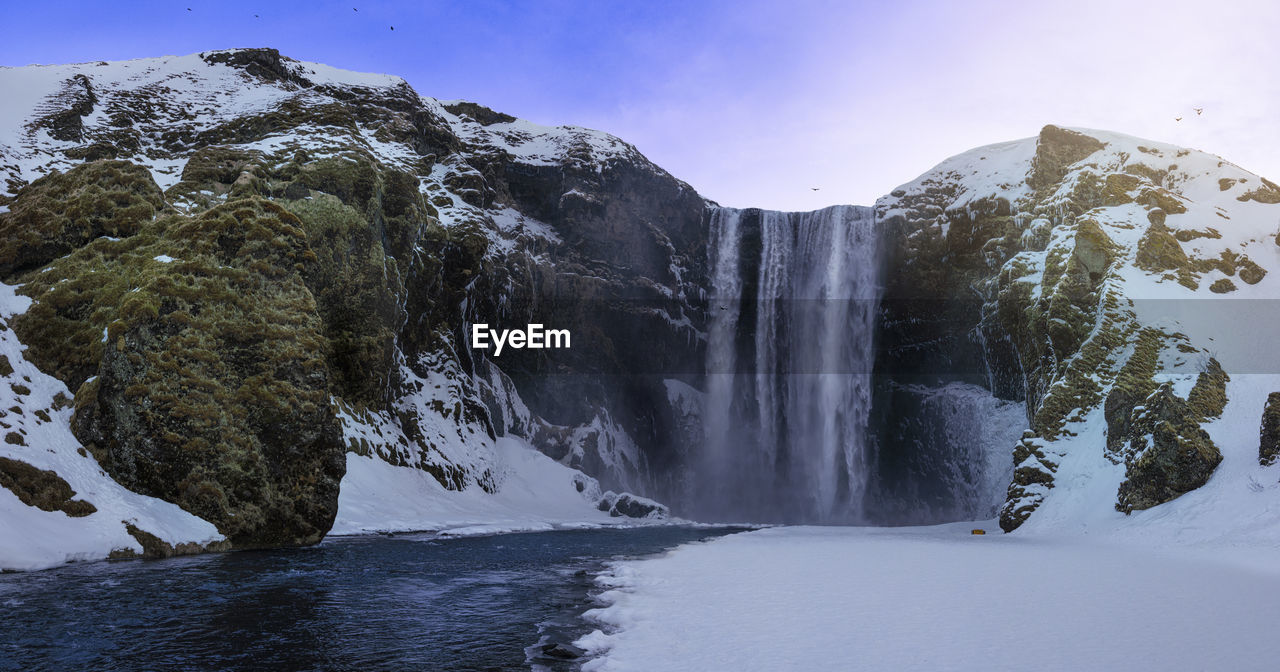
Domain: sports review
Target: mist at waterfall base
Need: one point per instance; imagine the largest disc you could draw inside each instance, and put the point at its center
(787, 417)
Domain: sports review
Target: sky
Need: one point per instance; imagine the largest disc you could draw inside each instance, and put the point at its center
(758, 103)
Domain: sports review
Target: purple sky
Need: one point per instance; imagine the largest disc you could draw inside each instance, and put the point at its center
(754, 102)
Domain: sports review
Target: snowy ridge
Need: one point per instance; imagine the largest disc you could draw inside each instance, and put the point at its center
(535, 144)
(998, 170)
(180, 92)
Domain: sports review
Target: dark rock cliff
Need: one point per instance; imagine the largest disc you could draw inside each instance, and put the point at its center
(303, 287)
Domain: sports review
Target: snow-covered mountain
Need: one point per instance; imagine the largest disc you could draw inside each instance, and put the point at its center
(243, 271)
(238, 289)
(1122, 289)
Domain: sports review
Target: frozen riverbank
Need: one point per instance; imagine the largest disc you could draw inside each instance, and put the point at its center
(936, 598)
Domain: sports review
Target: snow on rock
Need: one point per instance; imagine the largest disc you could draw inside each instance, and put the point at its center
(932, 598)
(36, 424)
(536, 493)
(257, 113)
(631, 506)
(1106, 268)
(1238, 506)
(534, 144)
(184, 96)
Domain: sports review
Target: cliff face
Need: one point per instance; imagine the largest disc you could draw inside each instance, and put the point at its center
(229, 274)
(244, 267)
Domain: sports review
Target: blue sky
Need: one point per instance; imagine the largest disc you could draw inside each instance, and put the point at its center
(755, 102)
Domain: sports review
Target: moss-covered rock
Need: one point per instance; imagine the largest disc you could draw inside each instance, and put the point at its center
(1162, 199)
(1168, 453)
(1269, 435)
(61, 212)
(1222, 286)
(1269, 192)
(41, 488)
(213, 391)
(358, 291)
(1057, 149)
(1208, 397)
(1159, 251)
(215, 173)
(154, 547)
(1250, 272)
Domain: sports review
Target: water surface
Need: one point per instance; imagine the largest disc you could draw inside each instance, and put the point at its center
(415, 602)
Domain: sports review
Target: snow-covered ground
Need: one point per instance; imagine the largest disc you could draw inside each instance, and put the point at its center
(938, 598)
(1187, 585)
(535, 493)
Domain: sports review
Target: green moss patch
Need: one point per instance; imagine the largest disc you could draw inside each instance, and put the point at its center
(356, 287)
(212, 390)
(1222, 286)
(61, 212)
(1157, 197)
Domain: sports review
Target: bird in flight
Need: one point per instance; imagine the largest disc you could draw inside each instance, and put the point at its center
(1198, 110)
(393, 27)
(1177, 118)
(814, 188)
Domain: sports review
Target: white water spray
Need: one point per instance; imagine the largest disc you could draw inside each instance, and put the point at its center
(789, 358)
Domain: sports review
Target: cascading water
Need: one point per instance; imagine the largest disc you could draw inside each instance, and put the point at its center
(789, 356)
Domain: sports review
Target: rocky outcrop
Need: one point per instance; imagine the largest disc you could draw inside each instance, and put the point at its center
(631, 506)
(1016, 267)
(154, 547)
(62, 114)
(1269, 435)
(1167, 454)
(212, 391)
(302, 285)
(265, 64)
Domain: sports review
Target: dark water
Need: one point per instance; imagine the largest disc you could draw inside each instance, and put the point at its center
(414, 602)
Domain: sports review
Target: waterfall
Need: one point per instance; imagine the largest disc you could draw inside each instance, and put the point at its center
(789, 355)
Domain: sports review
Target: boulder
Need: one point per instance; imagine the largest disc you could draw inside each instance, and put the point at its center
(561, 651)
(1269, 445)
(1168, 453)
(631, 506)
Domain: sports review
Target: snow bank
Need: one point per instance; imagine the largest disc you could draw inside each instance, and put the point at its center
(536, 493)
(928, 599)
